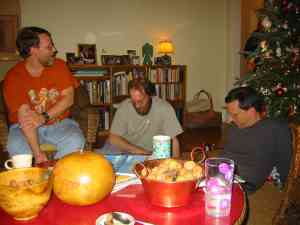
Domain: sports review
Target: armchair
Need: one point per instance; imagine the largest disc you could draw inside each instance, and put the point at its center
(289, 210)
(271, 206)
(86, 115)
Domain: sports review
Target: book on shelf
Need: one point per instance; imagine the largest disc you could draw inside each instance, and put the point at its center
(163, 75)
(120, 83)
(104, 118)
(89, 72)
(137, 74)
(98, 90)
(172, 91)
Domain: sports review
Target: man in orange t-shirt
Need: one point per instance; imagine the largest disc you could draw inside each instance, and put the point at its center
(39, 92)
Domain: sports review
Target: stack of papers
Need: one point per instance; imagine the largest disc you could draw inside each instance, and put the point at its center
(125, 179)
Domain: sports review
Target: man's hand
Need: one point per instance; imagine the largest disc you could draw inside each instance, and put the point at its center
(124, 145)
(40, 157)
(29, 121)
(29, 118)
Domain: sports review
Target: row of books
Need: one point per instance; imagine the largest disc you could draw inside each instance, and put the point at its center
(135, 74)
(98, 90)
(167, 83)
(171, 91)
(104, 123)
(90, 72)
(98, 72)
(120, 83)
(160, 75)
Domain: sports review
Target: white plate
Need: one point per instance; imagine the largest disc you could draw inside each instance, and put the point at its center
(101, 220)
(126, 177)
(130, 179)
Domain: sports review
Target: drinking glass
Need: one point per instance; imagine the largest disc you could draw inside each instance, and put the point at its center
(219, 174)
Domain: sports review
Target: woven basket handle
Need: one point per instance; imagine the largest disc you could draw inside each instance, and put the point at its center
(140, 175)
(197, 96)
(200, 149)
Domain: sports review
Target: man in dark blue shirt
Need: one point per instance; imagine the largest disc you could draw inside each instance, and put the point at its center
(255, 143)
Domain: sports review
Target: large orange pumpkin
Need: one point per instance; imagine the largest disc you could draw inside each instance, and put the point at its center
(83, 178)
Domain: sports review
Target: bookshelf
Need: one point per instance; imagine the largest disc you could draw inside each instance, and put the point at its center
(107, 86)
(170, 84)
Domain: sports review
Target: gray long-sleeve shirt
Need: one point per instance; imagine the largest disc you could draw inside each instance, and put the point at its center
(257, 149)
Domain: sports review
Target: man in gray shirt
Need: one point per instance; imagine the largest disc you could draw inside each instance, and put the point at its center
(255, 143)
(141, 117)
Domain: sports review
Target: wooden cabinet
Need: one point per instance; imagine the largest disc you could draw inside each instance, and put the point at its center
(108, 85)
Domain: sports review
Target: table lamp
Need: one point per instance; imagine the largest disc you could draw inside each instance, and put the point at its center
(166, 47)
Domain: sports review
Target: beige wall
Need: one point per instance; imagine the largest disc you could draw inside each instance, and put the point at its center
(233, 44)
(232, 47)
(200, 31)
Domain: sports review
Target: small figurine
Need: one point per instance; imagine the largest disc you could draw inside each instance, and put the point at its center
(264, 49)
(263, 46)
(147, 52)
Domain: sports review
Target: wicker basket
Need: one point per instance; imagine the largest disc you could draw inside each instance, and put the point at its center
(207, 118)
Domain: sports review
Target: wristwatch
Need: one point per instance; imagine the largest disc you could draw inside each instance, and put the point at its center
(46, 117)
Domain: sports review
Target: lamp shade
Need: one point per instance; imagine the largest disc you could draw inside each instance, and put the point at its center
(165, 47)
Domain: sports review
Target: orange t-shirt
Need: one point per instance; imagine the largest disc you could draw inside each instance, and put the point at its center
(40, 93)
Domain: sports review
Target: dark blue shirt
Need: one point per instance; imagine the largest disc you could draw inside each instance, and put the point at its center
(257, 149)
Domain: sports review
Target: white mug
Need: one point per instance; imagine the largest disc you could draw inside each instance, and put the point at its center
(19, 161)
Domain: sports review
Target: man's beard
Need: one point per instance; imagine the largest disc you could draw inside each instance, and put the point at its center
(49, 62)
(145, 110)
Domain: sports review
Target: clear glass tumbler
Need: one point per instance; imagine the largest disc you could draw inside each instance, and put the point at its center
(219, 174)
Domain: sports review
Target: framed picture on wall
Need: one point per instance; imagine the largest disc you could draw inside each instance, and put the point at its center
(87, 53)
(70, 57)
(131, 54)
(115, 59)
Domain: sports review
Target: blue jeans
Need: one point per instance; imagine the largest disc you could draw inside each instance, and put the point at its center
(121, 162)
(65, 135)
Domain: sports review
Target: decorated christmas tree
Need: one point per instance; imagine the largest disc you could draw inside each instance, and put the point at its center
(272, 53)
